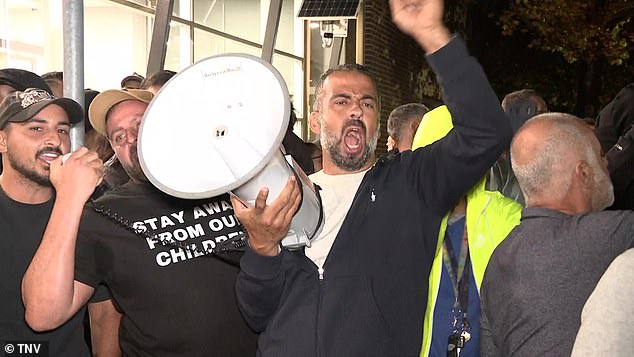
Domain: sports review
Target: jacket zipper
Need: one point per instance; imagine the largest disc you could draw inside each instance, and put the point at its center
(320, 272)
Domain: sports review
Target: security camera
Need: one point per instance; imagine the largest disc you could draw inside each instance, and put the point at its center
(329, 29)
(327, 34)
(326, 39)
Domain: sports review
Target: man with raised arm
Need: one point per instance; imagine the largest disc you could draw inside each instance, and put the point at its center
(361, 288)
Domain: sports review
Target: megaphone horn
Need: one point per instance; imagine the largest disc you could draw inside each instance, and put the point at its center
(217, 126)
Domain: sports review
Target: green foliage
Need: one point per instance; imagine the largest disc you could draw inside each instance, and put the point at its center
(576, 29)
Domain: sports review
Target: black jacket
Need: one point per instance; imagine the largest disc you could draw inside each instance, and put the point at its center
(615, 131)
(372, 298)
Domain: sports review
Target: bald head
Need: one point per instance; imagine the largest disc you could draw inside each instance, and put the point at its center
(558, 164)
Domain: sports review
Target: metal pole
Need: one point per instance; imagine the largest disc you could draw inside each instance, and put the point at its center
(73, 20)
(270, 34)
(160, 35)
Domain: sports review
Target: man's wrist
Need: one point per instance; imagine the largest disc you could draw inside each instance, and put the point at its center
(265, 249)
(434, 38)
(69, 199)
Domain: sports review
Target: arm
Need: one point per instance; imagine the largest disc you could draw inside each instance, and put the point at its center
(487, 346)
(621, 169)
(259, 287)
(261, 279)
(481, 131)
(50, 294)
(104, 329)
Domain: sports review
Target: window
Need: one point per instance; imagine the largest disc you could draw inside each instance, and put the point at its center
(118, 35)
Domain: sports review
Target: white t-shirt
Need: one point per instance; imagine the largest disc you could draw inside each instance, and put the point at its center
(337, 193)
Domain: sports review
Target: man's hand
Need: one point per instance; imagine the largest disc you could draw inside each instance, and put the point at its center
(421, 19)
(267, 225)
(77, 175)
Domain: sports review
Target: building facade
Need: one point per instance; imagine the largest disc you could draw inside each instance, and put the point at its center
(118, 33)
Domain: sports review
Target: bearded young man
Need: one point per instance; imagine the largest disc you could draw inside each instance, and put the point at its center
(14, 79)
(34, 133)
(361, 288)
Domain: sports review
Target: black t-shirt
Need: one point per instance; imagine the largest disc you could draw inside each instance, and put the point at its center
(21, 229)
(174, 303)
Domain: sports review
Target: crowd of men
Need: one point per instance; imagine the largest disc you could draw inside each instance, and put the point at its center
(483, 232)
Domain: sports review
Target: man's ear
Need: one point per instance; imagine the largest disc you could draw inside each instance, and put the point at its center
(313, 121)
(3, 141)
(414, 126)
(584, 174)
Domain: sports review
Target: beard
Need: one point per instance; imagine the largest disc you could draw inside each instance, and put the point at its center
(331, 142)
(603, 196)
(31, 173)
(134, 170)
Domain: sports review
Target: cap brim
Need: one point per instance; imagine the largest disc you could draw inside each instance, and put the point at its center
(73, 110)
(104, 101)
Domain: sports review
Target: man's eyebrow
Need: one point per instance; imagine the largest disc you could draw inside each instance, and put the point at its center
(115, 131)
(43, 121)
(342, 95)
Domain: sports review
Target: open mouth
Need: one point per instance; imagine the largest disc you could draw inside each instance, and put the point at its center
(48, 156)
(353, 138)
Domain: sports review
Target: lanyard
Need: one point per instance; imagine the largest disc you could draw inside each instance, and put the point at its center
(459, 278)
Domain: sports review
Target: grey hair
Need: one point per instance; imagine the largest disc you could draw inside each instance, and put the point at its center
(401, 116)
(548, 172)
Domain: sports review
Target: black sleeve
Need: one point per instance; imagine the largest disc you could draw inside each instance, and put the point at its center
(86, 259)
(259, 287)
(102, 293)
(620, 164)
(451, 166)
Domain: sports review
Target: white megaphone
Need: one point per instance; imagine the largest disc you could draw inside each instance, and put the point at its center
(216, 127)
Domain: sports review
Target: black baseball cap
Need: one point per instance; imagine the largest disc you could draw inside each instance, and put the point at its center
(21, 79)
(19, 107)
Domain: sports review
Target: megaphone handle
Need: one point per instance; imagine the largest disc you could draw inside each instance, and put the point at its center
(316, 187)
(297, 178)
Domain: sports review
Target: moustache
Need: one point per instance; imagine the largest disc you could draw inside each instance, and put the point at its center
(354, 122)
(134, 155)
(52, 149)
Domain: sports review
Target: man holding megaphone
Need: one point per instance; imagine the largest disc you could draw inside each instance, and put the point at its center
(149, 248)
(361, 288)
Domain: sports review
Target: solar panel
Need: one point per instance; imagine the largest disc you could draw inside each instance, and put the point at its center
(328, 9)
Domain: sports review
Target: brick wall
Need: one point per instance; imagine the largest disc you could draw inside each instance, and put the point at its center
(397, 63)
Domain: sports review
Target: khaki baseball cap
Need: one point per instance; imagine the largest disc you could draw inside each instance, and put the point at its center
(105, 100)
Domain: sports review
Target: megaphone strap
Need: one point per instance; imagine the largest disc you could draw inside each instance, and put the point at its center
(321, 211)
